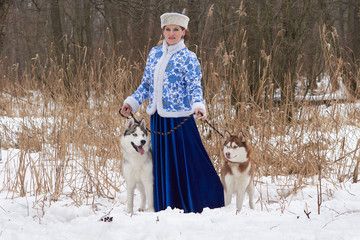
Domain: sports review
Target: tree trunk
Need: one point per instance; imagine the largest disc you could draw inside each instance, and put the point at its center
(4, 12)
(89, 42)
(112, 16)
(57, 28)
(194, 14)
(356, 38)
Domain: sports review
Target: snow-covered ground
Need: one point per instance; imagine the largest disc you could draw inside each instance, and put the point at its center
(273, 218)
(280, 212)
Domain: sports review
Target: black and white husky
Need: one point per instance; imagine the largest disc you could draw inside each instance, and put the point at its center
(137, 164)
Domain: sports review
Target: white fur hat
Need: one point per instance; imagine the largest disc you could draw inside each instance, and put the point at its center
(174, 18)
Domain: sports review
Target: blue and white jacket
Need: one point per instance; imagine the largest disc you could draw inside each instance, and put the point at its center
(171, 81)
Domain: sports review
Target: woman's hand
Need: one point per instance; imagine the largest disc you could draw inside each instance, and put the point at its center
(126, 109)
(200, 114)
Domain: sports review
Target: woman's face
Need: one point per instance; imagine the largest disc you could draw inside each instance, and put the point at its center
(173, 34)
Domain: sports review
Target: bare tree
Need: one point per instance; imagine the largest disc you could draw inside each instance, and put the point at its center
(57, 28)
(286, 31)
(354, 26)
(4, 12)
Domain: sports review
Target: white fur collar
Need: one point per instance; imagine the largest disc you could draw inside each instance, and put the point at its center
(159, 75)
(172, 48)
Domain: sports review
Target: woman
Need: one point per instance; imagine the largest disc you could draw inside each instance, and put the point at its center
(184, 176)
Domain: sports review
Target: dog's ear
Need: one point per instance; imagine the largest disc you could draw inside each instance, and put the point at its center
(241, 136)
(130, 123)
(143, 123)
(227, 135)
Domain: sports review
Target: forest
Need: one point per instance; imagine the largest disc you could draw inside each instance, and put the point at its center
(275, 40)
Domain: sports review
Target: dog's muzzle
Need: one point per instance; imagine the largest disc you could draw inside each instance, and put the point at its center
(139, 148)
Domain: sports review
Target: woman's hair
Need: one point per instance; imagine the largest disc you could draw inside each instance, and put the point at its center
(186, 37)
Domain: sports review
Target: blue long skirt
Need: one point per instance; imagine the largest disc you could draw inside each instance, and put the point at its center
(184, 176)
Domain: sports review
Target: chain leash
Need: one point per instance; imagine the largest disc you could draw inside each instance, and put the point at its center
(173, 129)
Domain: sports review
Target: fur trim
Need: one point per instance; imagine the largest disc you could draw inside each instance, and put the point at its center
(174, 18)
(159, 75)
(199, 105)
(133, 103)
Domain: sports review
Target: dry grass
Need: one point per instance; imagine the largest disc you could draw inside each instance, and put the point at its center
(68, 126)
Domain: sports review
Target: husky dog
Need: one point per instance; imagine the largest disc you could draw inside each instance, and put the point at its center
(137, 164)
(237, 173)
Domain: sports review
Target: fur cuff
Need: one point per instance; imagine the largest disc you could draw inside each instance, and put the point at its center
(133, 103)
(199, 105)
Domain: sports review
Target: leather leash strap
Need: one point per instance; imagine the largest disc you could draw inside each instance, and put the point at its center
(173, 129)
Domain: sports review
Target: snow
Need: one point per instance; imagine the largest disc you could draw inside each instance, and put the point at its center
(277, 215)
(280, 212)
(22, 218)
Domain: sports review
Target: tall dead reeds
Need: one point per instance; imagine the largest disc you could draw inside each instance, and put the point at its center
(61, 126)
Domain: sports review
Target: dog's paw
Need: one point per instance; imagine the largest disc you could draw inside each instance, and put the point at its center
(150, 209)
(130, 211)
(238, 211)
(141, 210)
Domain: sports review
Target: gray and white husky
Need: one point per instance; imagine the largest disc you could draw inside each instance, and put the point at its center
(137, 164)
